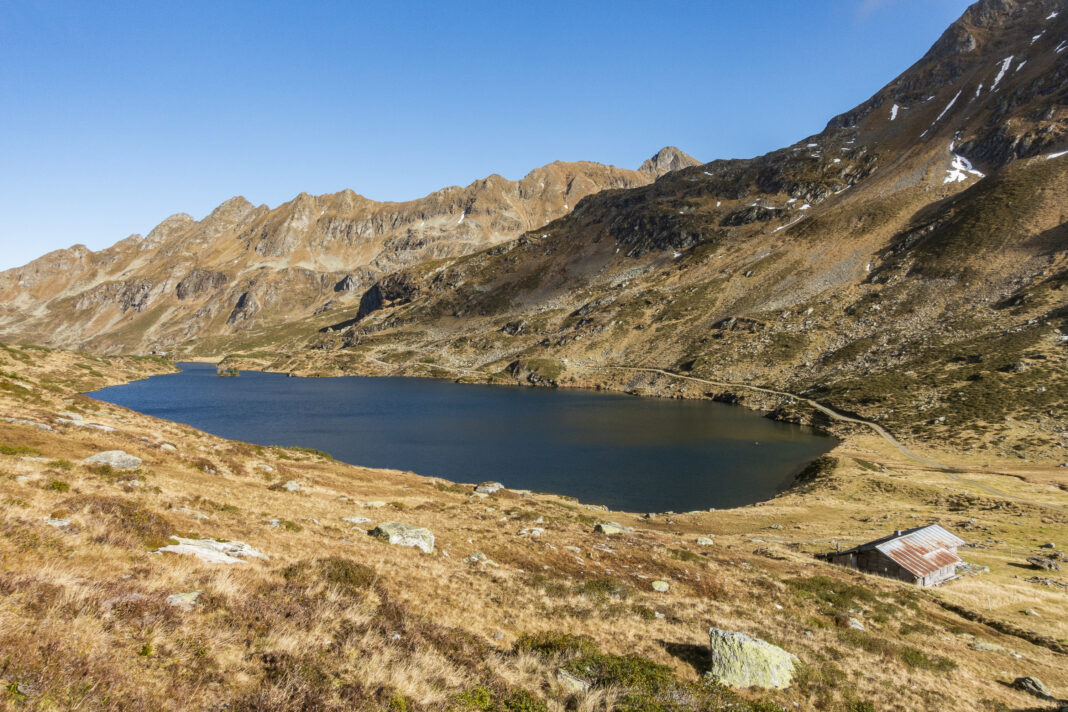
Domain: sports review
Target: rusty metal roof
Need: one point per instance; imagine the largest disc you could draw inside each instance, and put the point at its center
(921, 551)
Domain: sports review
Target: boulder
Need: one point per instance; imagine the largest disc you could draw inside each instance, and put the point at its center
(489, 487)
(116, 459)
(705, 541)
(291, 486)
(738, 660)
(1033, 686)
(1042, 563)
(400, 534)
(609, 528)
(356, 520)
(661, 586)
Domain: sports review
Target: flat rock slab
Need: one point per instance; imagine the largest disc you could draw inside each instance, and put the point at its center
(116, 459)
(739, 660)
(399, 534)
(212, 551)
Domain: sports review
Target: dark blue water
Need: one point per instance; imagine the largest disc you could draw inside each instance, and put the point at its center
(636, 454)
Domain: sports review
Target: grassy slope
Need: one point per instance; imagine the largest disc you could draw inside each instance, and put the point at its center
(338, 620)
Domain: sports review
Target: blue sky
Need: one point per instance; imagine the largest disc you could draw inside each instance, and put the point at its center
(114, 115)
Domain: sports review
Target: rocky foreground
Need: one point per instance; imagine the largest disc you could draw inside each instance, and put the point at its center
(146, 565)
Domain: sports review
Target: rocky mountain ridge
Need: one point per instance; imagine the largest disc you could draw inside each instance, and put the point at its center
(243, 265)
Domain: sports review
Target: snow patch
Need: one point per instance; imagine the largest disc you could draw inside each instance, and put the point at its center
(1035, 38)
(960, 168)
(462, 216)
(978, 90)
(838, 160)
(806, 206)
(1021, 66)
(948, 106)
(1005, 63)
(1051, 15)
(1061, 47)
(893, 112)
(783, 227)
(1057, 155)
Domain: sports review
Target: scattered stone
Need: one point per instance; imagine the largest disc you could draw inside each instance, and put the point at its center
(274, 523)
(1032, 685)
(739, 660)
(30, 423)
(1042, 563)
(1046, 581)
(356, 520)
(192, 513)
(22, 479)
(533, 532)
(573, 549)
(185, 601)
(116, 459)
(1049, 545)
(609, 528)
(57, 522)
(705, 541)
(291, 486)
(377, 504)
(400, 534)
(489, 487)
(660, 586)
(212, 551)
(1032, 612)
(572, 684)
(264, 468)
(775, 526)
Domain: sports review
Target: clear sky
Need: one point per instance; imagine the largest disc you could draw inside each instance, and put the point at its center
(116, 114)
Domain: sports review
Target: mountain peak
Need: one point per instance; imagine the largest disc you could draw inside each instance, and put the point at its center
(666, 160)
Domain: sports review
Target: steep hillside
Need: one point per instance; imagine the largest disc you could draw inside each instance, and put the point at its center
(245, 266)
(521, 605)
(908, 263)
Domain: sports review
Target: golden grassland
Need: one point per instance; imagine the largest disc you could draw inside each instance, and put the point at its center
(336, 619)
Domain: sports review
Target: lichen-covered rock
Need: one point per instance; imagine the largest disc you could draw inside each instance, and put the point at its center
(660, 586)
(116, 459)
(400, 534)
(738, 660)
(609, 528)
(705, 541)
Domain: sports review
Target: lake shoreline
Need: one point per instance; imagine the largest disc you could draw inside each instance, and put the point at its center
(594, 446)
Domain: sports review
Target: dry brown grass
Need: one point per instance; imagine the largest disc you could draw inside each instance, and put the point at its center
(335, 619)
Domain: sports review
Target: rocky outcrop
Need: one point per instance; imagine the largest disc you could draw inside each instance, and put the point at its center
(737, 660)
(399, 534)
(115, 459)
(200, 281)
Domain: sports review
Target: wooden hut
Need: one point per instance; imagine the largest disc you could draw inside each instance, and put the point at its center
(925, 556)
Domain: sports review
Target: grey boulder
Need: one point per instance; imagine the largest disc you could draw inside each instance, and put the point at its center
(399, 534)
(116, 459)
(738, 660)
